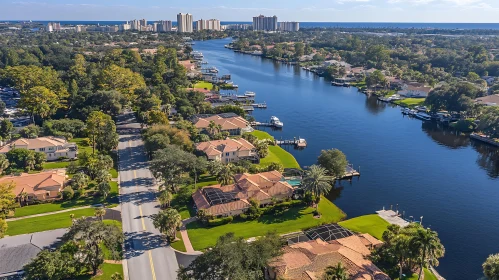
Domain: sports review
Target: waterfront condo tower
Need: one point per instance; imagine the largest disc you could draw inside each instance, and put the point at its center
(184, 22)
(263, 23)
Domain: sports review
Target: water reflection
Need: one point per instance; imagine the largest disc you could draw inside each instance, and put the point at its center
(488, 158)
(445, 136)
(374, 106)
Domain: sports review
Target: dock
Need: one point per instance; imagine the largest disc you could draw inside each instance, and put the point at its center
(260, 105)
(297, 142)
(392, 217)
(268, 124)
(484, 138)
(351, 172)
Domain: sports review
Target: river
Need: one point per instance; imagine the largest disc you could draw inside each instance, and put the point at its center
(427, 170)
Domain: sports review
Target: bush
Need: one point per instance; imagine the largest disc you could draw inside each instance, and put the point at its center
(467, 125)
(78, 193)
(68, 193)
(281, 207)
(243, 216)
(86, 142)
(220, 221)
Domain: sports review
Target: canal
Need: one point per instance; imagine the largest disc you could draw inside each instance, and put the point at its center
(427, 170)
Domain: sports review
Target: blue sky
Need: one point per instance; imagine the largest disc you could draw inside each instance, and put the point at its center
(237, 10)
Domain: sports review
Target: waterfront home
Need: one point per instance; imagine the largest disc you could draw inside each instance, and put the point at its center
(39, 186)
(416, 90)
(344, 64)
(54, 147)
(490, 100)
(227, 122)
(188, 65)
(308, 260)
(228, 150)
(233, 199)
(395, 83)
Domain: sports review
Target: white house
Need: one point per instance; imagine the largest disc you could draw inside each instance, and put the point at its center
(414, 90)
(54, 147)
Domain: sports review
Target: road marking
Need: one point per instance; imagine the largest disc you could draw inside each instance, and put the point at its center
(143, 223)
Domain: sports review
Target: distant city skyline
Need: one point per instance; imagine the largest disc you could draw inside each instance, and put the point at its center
(305, 11)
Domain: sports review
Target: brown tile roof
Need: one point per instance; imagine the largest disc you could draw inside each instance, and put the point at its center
(226, 123)
(36, 143)
(308, 260)
(262, 186)
(38, 183)
(217, 147)
(370, 240)
(491, 99)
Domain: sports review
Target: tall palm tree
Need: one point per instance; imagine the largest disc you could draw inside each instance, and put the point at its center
(104, 188)
(225, 176)
(165, 198)
(212, 128)
(337, 272)
(30, 162)
(167, 221)
(429, 245)
(401, 250)
(316, 182)
(79, 181)
(100, 212)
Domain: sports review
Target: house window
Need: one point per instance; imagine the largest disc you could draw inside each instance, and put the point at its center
(227, 154)
(42, 149)
(233, 153)
(226, 160)
(51, 148)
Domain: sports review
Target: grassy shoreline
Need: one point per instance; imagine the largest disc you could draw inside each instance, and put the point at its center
(276, 153)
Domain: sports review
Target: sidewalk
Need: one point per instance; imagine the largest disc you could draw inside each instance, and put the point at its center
(51, 213)
(185, 237)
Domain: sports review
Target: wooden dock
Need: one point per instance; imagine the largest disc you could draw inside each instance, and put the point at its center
(260, 105)
(349, 173)
(297, 142)
(264, 124)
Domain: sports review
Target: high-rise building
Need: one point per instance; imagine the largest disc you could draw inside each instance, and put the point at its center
(164, 26)
(291, 26)
(263, 23)
(125, 26)
(209, 24)
(53, 26)
(143, 22)
(184, 22)
(81, 28)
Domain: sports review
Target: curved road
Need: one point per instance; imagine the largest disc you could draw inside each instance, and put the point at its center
(147, 255)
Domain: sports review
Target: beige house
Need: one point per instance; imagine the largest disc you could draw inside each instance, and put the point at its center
(54, 147)
(228, 122)
(308, 260)
(228, 150)
(414, 90)
(234, 199)
(38, 186)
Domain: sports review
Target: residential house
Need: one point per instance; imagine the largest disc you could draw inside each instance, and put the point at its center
(395, 83)
(188, 65)
(416, 90)
(490, 100)
(39, 186)
(228, 150)
(234, 199)
(308, 260)
(344, 64)
(54, 147)
(228, 122)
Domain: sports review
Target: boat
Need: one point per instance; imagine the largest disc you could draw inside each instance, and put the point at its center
(250, 94)
(423, 116)
(241, 96)
(412, 112)
(421, 109)
(405, 111)
(276, 122)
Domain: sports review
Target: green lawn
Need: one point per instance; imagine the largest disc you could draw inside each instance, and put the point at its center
(410, 102)
(179, 243)
(107, 270)
(427, 276)
(43, 223)
(372, 224)
(62, 205)
(81, 143)
(276, 153)
(206, 85)
(56, 164)
(294, 219)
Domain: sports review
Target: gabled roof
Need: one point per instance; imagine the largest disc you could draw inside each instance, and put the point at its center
(233, 122)
(37, 183)
(36, 143)
(216, 147)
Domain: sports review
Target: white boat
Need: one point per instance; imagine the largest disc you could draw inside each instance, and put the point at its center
(241, 96)
(250, 94)
(405, 111)
(276, 122)
(423, 116)
(412, 112)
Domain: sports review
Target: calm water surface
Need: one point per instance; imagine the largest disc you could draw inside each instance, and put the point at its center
(428, 171)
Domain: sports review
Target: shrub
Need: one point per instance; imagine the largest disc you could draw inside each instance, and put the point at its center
(68, 193)
(78, 193)
(220, 221)
(243, 216)
(86, 142)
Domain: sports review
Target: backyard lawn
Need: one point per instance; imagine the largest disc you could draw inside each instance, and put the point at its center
(427, 276)
(106, 271)
(49, 222)
(294, 219)
(206, 85)
(276, 153)
(410, 102)
(372, 224)
(179, 243)
(62, 205)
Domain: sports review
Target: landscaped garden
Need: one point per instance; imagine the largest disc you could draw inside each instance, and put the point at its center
(372, 224)
(294, 219)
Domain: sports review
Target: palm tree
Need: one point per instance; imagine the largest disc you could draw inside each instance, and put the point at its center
(102, 176)
(401, 250)
(165, 198)
(429, 245)
(315, 181)
(212, 128)
(4, 163)
(23, 197)
(116, 276)
(30, 162)
(167, 221)
(100, 212)
(104, 188)
(225, 176)
(79, 181)
(337, 272)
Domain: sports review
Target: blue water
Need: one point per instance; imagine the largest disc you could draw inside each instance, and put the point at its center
(427, 170)
(418, 25)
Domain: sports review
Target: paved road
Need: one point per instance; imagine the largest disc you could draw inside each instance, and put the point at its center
(147, 255)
